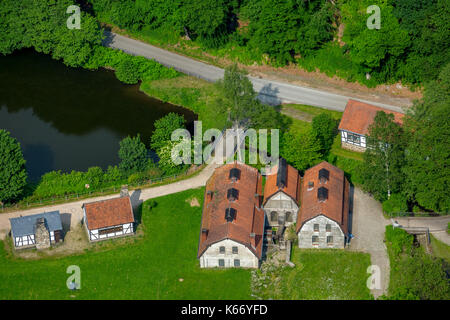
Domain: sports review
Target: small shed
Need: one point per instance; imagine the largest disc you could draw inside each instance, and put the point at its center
(38, 230)
(108, 218)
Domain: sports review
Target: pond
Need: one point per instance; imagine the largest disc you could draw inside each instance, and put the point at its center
(70, 118)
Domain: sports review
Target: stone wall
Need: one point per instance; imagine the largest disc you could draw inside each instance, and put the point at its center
(352, 147)
(42, 235)
(307, 232)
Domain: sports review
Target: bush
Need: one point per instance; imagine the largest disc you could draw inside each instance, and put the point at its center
(398, 239)
(128, 71)
(396, 203)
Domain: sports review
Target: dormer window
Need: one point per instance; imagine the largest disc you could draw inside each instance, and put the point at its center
(324, 175)
(232, 194)
(235, 174)
(322, 194)
(310, 185)
(230, 214)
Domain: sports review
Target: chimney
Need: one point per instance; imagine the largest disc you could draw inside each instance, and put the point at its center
(204, 234)
(253, 240)
(41, 234)
(124, 191)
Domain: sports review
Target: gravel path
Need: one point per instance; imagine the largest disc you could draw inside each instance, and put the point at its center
(72, 213)
(368, 227)
(436, 225)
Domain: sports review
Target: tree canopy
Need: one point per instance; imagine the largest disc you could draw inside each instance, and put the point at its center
(13, 175)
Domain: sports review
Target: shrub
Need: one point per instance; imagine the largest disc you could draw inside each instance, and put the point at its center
(128, 71)
(398, 239)
(396, 203)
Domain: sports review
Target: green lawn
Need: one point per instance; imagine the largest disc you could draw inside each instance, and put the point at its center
(148, 268)
(440, 249)
(320, 274)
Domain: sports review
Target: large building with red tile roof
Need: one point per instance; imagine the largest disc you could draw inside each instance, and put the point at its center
(108, 218)
(322, 221)
(282, 196)
(355, 122)
(232, 229)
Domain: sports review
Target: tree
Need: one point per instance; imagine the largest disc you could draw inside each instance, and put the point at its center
(133, 155)
(300, 150)
(128, 71)
(13, 175)
(384, 157)
(428, 155)
(324, 127)
(164, 128)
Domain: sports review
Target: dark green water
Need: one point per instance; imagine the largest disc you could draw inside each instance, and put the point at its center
(71, 119)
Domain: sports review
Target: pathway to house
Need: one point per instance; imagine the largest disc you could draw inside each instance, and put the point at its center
(74, 211)
(368, 227)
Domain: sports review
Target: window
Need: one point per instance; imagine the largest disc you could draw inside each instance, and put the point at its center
(110, 230)
(315, 240)
(221, 263)
(328, 227)
(316, 227)
(288, 216)
(353, 138)
(235, 250)
(329, 239)
(237, 262)
(222, 249)
(273, 216)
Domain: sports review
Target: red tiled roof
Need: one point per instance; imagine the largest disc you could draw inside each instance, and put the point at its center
(249, 218)
(108, 213)
(358, 116)
(335, 207)
(292, 188)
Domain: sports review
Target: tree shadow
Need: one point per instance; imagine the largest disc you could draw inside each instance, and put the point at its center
(269, 95)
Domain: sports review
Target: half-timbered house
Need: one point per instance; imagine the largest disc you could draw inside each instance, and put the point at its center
(355, 122)
(39, 230)
(108, 218)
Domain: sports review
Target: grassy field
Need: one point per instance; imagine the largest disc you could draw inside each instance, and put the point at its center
(319, 274)
(440, 249)
(147, 268)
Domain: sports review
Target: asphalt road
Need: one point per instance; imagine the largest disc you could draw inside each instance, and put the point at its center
(270, 92)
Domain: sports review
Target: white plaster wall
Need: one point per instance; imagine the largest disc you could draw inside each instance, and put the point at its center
(210, 258)
(281, 203)
(307, 231)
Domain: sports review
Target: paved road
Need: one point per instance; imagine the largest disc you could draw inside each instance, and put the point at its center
(436, 225)
(270, 92)
(368, 227)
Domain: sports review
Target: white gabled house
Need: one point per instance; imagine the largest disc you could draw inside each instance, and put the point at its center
(232, 230)
(108, 218)
(323, 217)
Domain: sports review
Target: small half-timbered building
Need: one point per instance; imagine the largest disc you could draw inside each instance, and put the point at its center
(108, 218)
(323, 217)
(282, 196)
(39, 230)
(355, 122)
(232, 229)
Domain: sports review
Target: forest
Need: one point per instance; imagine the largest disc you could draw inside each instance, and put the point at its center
(411, 46)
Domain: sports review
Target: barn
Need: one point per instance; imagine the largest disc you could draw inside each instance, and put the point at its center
(281, 197)
(322, 221)
(108, 218)
(39, 230)
(355, 122)
(232, 228)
